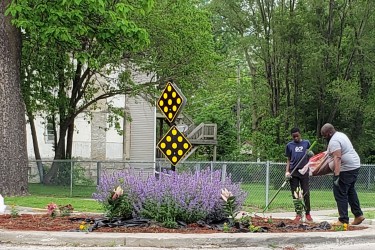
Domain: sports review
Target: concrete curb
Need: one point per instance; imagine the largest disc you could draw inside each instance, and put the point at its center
(184, 240)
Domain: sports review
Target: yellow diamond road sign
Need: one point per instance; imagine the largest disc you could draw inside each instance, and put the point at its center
(171, 102)
(174, 145)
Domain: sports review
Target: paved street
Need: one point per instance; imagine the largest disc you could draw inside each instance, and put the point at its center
(367, 246)
(10, 247)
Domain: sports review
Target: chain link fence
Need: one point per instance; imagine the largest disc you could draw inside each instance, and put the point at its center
(261, 180)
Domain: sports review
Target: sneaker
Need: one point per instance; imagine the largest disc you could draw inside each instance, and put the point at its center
(308, 217)
(298, 218)
(358, 220)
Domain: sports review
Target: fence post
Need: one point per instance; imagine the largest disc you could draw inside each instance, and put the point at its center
(197, 167)
(71, 178)
(98, 170)
(369, 177)
(267, 181)
(223, 172)
(39, 165)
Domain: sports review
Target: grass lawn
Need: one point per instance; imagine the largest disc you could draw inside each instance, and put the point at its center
(62, 191)
(40, 196)
(81, 198)
(320, 199)
(369, 214)
(79, 204)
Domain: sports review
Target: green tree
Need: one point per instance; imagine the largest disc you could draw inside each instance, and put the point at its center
(181, 47)
(82, 40)
(308, 63)
(339, 71)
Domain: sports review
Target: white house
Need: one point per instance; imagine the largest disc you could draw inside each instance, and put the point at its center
(95, 140)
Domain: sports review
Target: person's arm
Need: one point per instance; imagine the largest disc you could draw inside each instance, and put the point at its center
(336, 162)
(287, 154)
(287, 173)
(287, 166)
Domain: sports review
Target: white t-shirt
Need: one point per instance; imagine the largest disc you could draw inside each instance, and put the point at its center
(349, 157)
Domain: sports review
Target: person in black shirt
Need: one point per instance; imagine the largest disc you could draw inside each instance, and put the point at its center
(295, 151)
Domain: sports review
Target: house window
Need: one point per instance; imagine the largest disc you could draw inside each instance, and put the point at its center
(50, 135)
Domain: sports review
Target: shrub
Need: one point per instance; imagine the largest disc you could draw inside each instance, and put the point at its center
(66, 210)
(118, 205)
(14, 211)
(64, 174)
(173, 197)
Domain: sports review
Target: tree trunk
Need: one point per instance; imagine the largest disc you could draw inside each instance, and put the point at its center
(59, 154)
(38, 158)
(69, 141)
(254, 110)
(13, 151)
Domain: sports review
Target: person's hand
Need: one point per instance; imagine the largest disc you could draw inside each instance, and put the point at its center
(287, 176)
(336, 180)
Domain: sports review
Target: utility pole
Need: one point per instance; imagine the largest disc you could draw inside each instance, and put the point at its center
(238, 107)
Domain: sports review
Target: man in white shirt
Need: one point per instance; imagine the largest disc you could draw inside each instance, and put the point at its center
(346, 168)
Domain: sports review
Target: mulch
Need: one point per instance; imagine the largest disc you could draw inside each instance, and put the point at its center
(95, 223)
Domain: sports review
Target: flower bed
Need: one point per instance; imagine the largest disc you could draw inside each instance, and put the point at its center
(44, 222)
(173, 197)
(200, 202)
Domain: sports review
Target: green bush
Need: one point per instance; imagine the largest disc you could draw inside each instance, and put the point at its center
(118, 206)
(63, 176)
(166, 212)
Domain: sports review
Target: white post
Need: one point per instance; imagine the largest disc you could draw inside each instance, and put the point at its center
(223, 172)
(71, 178)
(267, 181)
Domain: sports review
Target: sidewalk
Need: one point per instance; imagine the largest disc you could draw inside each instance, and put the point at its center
(216, 240)
(323, 215)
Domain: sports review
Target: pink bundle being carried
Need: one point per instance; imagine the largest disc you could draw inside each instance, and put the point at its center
(319, 164)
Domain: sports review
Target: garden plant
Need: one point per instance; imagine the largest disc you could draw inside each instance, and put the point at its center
(169, 199)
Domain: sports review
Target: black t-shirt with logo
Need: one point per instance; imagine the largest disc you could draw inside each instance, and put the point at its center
(295, 152)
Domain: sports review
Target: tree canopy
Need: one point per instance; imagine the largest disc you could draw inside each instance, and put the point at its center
(257, 68)
(67, 47)
(302, 63)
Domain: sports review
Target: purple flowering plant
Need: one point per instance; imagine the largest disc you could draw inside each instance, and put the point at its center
(173, 196)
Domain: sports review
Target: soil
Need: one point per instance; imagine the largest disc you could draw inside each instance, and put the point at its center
(43, 222)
